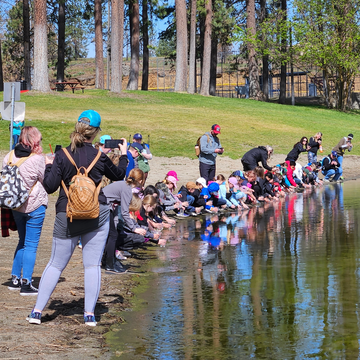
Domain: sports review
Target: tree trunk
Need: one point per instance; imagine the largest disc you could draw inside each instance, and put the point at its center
(282, 96)
(213, 66)
(181, 46)
(265, 58)
(99, 56)
(205, 75)
(254, 85)
(41, 75)
(192, 57)
(1, 71)
(133, 82)
(117, 37)
(61, 42)
(326, 89)
(145, 31)
(27, 58)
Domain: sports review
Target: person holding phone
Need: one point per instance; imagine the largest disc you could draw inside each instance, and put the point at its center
(144, 156)
(343, 145)
(102, 144)
(29, 218)
(210, 147)
(93, 232)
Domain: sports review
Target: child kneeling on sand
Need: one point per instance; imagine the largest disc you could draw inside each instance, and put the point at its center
(129, 239)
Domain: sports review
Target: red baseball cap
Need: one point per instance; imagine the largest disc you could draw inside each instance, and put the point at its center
(216, 129)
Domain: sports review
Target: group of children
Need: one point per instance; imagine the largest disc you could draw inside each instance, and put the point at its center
(156, 207)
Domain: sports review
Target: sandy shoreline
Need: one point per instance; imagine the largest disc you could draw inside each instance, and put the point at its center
(62, 334)
(188, 169)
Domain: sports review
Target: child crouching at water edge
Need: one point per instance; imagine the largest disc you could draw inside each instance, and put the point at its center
(135, 235)
(146, 218)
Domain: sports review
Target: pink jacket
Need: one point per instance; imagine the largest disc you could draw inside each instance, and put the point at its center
(32, 171)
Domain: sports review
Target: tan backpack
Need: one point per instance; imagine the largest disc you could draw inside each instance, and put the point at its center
(83, 195)
(197, 145)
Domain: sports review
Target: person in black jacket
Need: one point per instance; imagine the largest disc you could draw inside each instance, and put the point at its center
(190, 194)
(298, 148)
(261, 154)
(331, 167)
(315, 145)
(93, 232)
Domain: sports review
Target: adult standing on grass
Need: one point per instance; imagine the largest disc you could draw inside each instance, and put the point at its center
(262, 154)
(29, 217)
(210, 147)
(343, 145)
(93, 232)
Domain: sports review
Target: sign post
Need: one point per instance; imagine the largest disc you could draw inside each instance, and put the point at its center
(12, 114)
(10, 110)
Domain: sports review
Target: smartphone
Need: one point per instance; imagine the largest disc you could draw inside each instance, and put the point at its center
(57, 148)
(112, 144)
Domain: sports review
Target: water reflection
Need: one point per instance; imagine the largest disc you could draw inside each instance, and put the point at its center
(278, 281)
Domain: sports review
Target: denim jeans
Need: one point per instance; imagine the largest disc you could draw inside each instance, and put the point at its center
(15, 140)
(329, 173)
(29, 228)
(312, 158)
(340, 160)
(190, 199)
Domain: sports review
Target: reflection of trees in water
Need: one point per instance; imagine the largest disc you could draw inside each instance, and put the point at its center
(299, 292)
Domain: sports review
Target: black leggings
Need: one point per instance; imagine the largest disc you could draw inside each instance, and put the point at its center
(111, 240)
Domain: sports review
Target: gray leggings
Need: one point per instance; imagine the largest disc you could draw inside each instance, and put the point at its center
(92, 249)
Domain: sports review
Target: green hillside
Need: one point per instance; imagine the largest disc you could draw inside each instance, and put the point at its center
(175, 121)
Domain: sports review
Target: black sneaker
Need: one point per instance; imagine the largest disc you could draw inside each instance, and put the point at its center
(116, 268)
(15, 283)
(34, 318)
(27, 289)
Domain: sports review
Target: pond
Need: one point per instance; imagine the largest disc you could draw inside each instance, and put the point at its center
(280, 281)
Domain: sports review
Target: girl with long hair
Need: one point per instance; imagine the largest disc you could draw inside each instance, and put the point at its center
(30, 216)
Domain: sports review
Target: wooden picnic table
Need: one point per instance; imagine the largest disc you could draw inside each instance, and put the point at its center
(61, 85)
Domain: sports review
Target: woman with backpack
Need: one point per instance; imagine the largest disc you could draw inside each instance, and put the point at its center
(70, 222)
(29, 217)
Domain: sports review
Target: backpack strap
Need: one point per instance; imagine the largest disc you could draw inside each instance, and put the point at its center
(20, 162)
(70, 158)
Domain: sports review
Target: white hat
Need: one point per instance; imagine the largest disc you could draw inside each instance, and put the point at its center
(201, 181)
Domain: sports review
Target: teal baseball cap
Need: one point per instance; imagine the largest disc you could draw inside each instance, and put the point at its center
(103, 138)
(90, 117)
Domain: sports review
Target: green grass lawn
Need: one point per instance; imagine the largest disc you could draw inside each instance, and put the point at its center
(175, 121)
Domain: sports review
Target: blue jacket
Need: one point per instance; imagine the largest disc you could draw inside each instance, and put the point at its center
(131, 163)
